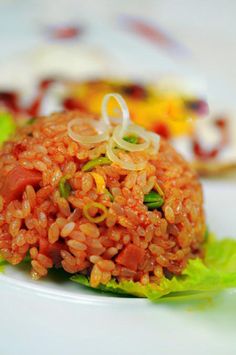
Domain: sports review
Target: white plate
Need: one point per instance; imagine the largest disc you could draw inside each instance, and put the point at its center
(49, 317)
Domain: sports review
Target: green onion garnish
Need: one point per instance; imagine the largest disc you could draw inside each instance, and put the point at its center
(153, 200)
(152, 196)
(31, 121)
(131, 139)
(107, 192)
(154, 205)
(92, 163)
(64, 187)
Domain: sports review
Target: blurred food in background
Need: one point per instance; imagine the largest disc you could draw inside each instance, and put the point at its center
(167, 114)
(175, 115)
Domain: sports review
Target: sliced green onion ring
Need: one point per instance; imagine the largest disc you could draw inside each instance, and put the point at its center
(131, 129)
(99, 126)
(95, 162)
(64, 187)
(123, 164)
(131, 139)
(124, 110)
(100, 207)
(155, 139)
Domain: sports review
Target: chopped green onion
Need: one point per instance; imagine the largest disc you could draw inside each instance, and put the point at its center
(153, 200)
(152, 196)
(98, 161)
(27, 259)
(31, 121)
(131, 139)
(64, 187)
(107, 192)
(155, 205)
(97, 205)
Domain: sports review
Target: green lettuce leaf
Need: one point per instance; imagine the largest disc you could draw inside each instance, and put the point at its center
(111, 287)
(7, 126)
(200, 279)
(2, 264)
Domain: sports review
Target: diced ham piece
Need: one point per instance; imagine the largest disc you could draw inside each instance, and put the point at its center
(16, 181)
(131, 256)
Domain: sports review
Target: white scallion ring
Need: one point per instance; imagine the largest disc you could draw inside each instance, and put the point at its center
(124, 110)
(131, 129)
(155, 139)
(101, 136)
(123, 164)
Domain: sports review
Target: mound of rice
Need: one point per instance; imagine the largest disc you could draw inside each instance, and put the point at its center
(131, 242)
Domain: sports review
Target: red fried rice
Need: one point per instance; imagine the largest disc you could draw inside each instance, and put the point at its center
(131, 242)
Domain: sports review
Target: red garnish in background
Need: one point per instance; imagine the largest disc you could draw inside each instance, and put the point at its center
(201, 153)
(73, 104)
(64, 32)
(148, 31)
(135, 91)
(34, 108)
(44, 85)
(162, 129)
(152, 33)
(10, 100)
